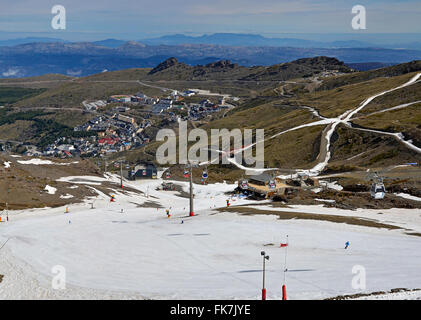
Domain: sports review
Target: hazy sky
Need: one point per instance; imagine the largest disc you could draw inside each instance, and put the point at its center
(137, 19)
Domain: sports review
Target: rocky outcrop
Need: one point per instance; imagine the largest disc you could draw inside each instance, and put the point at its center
(222, 64)
(164, 65)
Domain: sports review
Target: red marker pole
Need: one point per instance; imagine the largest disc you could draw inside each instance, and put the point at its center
(263, 294)
(284, 287)
(121, 174)
(191, 191)
(284, 292)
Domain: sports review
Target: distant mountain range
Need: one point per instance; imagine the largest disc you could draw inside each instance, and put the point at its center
(38, 56)
(15, 42)
(232, 39)
(235, 39)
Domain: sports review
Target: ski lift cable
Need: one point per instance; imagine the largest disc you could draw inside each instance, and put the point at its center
(285, 263)
(4, 243)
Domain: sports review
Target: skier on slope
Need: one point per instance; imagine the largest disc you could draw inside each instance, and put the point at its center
(346, 245)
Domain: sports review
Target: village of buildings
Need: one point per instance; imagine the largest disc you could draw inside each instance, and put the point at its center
(119, 123)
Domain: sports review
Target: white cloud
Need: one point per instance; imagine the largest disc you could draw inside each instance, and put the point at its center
(11, 72)
(74, 73)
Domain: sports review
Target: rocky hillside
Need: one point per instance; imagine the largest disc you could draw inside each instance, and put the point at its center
(300, 68)
(172, 69)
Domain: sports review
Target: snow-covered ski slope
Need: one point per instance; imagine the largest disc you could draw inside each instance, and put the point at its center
(129, 249)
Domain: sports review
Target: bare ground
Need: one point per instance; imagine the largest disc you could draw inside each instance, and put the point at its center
(244, 210)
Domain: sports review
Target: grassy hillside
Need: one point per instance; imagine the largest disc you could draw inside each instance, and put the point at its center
(357, 77)
(39, 82)
(333, 102)
(278, 107)
(35, 126)
(9, 95)
(268, 102)
(74, 93)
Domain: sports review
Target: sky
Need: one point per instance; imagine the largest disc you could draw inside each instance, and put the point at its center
(88, 20)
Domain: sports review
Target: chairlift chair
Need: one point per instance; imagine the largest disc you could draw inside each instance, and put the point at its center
(186, 172)
(378, 190)
(205, 174)
(244, 184)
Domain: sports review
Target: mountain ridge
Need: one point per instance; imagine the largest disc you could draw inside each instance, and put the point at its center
(85, 58)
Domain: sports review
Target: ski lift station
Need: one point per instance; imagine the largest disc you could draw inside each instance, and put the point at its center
(264, 185)
(144, 171)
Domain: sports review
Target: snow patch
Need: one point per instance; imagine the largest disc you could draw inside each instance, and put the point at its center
(407, 196)
(325, 200)
(50, 190)
(67, 196)
(37, 162)
(332, 185)
(92, 180)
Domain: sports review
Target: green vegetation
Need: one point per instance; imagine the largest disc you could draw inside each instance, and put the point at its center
(9, 95)
(357, 77)
(46, 130)
(52, 130)
(384, 155)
